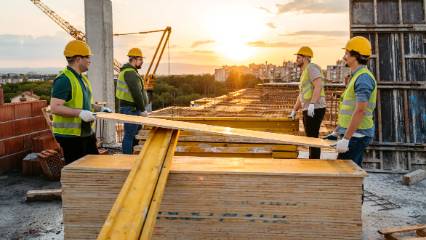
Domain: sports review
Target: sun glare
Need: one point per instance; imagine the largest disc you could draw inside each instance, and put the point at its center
(232, 29)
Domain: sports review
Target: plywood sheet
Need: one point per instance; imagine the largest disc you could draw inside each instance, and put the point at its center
(196, 127)
(232, 198)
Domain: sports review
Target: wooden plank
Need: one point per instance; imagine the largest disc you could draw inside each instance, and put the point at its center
(196, 127)
(43, 195)
(402, 229)
(130, 211)
(414, 177)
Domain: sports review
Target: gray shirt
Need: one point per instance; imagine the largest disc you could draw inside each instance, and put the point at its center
(314, 72)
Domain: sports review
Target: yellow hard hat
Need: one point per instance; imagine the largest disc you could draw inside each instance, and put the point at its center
(360, 45)
(305, 51)
(135, 52)
(77, 48)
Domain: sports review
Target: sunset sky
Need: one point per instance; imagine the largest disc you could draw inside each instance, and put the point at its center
(210, 33)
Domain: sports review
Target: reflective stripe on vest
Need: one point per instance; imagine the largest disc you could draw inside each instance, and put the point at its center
(348, 103)
(306, 87)
(72, 125)
(122, 91)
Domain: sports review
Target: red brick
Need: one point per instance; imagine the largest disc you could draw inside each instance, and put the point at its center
(7, 112)
(14, 145)
(7, 129)
(28, 142)
(22, 110)
(36, 107)
(23, 126)
(43, 143)
(13, 161)
(2, 149)
(38, 123)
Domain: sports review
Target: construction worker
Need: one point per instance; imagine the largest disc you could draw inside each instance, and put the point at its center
(355, 124)
(72, 105)
(311, 97)
(132, 96)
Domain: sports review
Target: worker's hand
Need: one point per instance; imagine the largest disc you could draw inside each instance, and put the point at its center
(342, 145)
(311, 110)
(106, 109)
(86, 116)
(292, 115)
(144, 114)
(332, 136)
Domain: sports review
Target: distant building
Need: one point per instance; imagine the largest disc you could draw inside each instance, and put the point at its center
(337, 73)
(220, 75)
(26, 96)
(290, 72)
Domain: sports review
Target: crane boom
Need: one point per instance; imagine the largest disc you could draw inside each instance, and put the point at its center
(70, 29)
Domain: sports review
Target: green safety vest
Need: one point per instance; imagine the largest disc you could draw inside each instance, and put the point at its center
(122, 91)
(348, 103)
(72, 125)
(306, 87)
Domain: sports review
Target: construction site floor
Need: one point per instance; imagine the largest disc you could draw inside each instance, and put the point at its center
(388, 203)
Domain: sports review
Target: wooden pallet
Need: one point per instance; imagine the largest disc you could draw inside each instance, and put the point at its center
(419, 230)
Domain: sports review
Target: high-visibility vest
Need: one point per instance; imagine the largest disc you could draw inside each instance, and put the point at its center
(348, 103)
(306, 87)
(122, 90)
(72, 125)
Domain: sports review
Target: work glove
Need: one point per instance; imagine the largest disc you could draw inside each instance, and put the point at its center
(311, 110)
(332, 136)
(292, 115)
(342, 145)
(86, 116)
(106, 109)
(144, 114)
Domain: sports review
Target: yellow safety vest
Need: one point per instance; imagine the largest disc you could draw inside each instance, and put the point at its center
(122, 91)
(306, 87)
(348, 103)
(72, 125)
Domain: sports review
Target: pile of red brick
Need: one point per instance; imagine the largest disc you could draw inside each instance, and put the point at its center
(23, 129)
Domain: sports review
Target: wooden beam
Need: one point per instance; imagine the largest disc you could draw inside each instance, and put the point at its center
(43, 195)
(225, 131)
(136, 207)
(414, 177)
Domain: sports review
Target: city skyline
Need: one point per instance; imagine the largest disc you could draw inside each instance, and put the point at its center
(204, 33)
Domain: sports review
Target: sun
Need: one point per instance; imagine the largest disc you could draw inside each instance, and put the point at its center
(232, 29)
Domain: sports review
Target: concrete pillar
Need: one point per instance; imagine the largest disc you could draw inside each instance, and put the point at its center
(98, 16)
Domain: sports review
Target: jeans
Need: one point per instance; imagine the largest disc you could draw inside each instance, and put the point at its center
(312, 126)
(357, 147)
(130, 130)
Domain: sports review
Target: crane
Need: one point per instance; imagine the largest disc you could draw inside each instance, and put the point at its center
(70, 29)
(79, 35)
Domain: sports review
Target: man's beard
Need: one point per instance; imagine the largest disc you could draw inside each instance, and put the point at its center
(138, 66)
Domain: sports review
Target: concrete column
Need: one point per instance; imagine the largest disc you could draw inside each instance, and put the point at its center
(98, 16)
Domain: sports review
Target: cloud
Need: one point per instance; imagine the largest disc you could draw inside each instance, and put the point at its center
(201, 42)
(265, 9)
(319, 33)
(263, 44)
(271, 25)
(15, 47)
(313, 6)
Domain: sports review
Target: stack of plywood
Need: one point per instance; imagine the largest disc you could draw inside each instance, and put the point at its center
(209, 145)
(225, 198)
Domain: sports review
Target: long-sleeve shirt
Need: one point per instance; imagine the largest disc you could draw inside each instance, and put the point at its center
(136, 88)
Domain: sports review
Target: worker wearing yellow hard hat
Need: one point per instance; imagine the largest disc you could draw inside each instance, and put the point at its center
(72, 104)
(311, 98)
(355, 124)
(132, 96)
